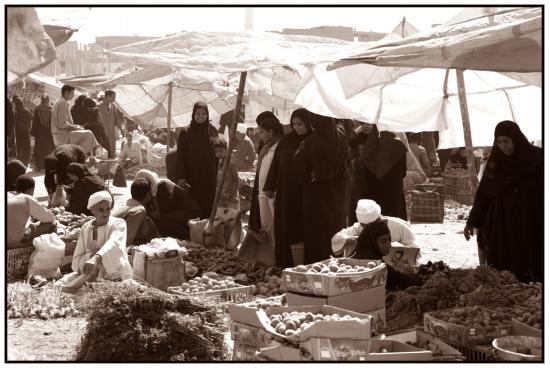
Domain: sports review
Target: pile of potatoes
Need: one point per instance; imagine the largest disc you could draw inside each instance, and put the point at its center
(68, 219)
(205, 283)
(290, 324)
(335, 266)
(531, 317)
(473, 317)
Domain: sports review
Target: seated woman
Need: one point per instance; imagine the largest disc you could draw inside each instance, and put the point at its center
(101, 248)
(373, 244)
(457, 160)
(84, 185)
(169, 206)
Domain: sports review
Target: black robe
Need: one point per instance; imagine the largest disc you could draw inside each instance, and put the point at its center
(90, 119)
(23, 124)
(358, 177)
(197, 164)
(176, 208)
(41, 131)
(81, 192)
(388, 191)
(57, 162)
(320, 163)
(509, 212)
(282, 180)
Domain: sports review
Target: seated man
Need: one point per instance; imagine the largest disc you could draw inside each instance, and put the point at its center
(369, 211)
(21, 207)
(101, 248)
(245, 153)
(141, 229)
(130, 152)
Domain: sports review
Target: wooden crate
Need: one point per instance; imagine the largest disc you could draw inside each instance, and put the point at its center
(159, 272)
(238, 294)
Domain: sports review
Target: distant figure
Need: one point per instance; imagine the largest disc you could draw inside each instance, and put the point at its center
(419, 152)
(197, 163)
(245, 153)
(63, 129)
(10, 129)
(23, 124)
(110, 118)
(42, 132)
(91, 120)
(457, 159)
(130, 153)
(76, 110)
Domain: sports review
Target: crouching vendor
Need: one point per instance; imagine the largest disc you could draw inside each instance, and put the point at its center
(101, 249)
(374, 243)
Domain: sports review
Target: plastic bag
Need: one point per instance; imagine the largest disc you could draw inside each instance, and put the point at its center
(120, 177)
(47, 256)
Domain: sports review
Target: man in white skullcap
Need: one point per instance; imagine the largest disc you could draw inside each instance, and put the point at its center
(344, 242)
(245, 154)
(101, 248)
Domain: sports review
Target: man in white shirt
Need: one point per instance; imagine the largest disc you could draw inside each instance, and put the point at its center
(368, 211)
(63, 129)
(130, 153)
(21, 207)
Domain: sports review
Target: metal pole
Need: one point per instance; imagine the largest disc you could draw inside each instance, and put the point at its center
(232, 132)
(169, 116)
(466, 125)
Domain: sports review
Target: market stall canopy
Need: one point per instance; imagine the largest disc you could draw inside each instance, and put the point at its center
(496, 41)
(228, 52)
(59, 34)
(29, 48)
(33, 86)
(425, 99)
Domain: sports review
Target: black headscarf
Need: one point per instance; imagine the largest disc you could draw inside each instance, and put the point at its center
(14, 169)
(265, 115)
(205, 126)
(383, 151)
(503, 172)
(18, 102)
(367, 247)
(79, 170)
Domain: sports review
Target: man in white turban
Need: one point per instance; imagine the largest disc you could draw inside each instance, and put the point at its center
(245, 154)
(369, 211)
(101, 248)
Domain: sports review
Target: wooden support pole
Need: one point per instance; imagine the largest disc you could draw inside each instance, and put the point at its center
(467, 130)
(169, 117)
(232, 132)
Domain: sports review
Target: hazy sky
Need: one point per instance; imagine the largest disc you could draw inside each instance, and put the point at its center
(161, 21)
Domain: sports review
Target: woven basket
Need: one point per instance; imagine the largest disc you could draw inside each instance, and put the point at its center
(427, 207)
(457, 184)
(18, 262)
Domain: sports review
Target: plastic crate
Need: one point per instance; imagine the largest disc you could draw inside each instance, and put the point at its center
(18, 262)
(238, 294)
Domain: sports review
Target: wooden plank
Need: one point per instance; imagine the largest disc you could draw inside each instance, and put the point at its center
(232, 132)
(467, 130)
(169, 116)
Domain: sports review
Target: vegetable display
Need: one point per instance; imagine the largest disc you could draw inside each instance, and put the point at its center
(293, 323)
(335, 266)
(24, 301)
(205, 283)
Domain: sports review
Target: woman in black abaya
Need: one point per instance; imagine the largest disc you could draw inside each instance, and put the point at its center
(385, 159)
(284, 182)
(320, 163)
(197, 162)
(508, 209)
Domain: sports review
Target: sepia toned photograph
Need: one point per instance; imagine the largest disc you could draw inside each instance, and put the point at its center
(263, 183)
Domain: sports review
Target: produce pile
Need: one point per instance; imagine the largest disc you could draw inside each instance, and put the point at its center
(289, 324)
(334, 266)
(451, 288)
(47, 302)
(260, 303)
(205, 283)
(267, 279)
(455, 211)
(473, 317)
(69, 224)
(129, 322)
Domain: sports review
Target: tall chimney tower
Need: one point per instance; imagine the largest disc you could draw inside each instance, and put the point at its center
(249, 19)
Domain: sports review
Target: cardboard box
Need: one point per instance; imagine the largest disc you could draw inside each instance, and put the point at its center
(463, 335)
(402, 257)
(440, 350)
(336, 284)
(250, 335)
(521, 329)
(332, 329)
(396, 352)
(243, 352)
(378, 319)
(360, 301)
(282, 353)
(325, 349)
(244, 314)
